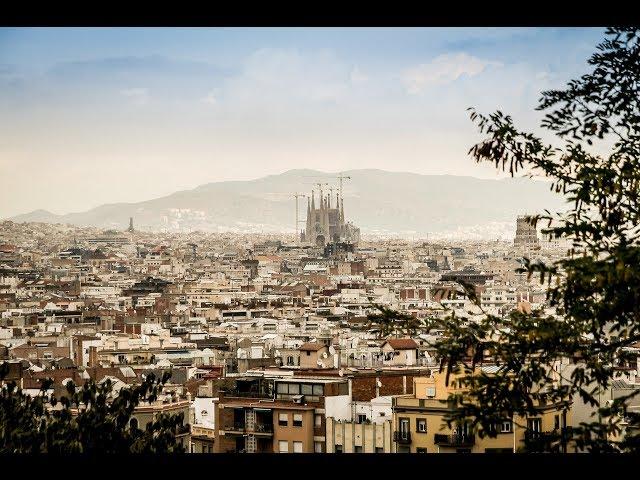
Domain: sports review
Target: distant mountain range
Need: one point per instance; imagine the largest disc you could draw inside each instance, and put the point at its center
(375, 200)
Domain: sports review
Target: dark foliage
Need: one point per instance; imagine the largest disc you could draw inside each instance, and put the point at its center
(595, 290)
(88, 419)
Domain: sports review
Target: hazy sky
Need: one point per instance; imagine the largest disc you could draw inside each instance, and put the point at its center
(93, 116)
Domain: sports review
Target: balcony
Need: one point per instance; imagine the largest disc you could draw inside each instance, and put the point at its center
(550, 441)
(403, 438)
(266, 428)
(454, 440)
(183, 429)
(235, 427)
(239, 394)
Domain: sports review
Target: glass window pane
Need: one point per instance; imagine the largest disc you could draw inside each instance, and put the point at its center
(294, 389)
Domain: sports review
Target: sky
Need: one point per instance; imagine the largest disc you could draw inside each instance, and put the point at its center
(90, 116)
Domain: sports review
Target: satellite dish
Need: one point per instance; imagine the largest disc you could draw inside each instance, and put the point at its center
(332, 350)
(319, 363)
(341, 372)
(324, 355)
(277, 353)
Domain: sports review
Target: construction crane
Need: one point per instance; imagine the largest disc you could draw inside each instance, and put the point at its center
(340, 178)
(296, 196)
(320, 187)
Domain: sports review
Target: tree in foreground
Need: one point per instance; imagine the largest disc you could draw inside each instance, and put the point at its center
(573, 354)
(89, 419)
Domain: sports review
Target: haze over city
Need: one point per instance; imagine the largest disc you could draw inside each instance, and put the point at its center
(98, 116)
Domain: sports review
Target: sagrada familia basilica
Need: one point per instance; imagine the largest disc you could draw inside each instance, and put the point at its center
(326, 222)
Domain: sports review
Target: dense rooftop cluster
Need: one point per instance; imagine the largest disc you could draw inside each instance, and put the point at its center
(269, 342)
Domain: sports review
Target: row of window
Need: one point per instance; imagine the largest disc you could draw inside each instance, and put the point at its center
(283, 419)
(357, 449)
(300, 389)
(421, 425)
(283, 446)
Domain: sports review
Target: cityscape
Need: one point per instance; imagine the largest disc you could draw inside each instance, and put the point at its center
(299, 303)
(266, 336)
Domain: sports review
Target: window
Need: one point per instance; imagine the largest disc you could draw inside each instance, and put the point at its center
(421, 425)
(308, 353)
(317, 447)
(297, 419)
(317, 419)
(379, 450)
(306, 389)
(288, 388)
(338, 449)
(283, 419)
(297, 447)
(431, 392)
(362, 418)
(404, 427)
(505, 427)
(556, 422)
(534, 424)
(357, 449)
(283, 446)
(319, 390)
(421, 450)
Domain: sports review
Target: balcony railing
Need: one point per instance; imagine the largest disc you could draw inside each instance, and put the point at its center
(549, 441)
(454, 439)
(263, 428)
(234, 427)
(402, 437)
(236, 393)
(182, 429)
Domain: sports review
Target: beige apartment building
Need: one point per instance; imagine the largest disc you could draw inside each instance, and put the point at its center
(359, 437)
(419, 426)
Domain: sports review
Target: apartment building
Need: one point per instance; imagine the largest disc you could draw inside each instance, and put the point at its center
(274, 415)
(419, 423)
